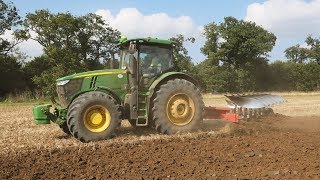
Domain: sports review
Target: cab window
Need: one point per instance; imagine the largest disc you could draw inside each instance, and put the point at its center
(154, 59)
(124, 57)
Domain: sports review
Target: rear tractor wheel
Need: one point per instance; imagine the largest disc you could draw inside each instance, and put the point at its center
(177, 107)
(93, 116)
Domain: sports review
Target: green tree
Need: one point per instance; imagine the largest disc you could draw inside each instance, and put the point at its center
(237, 42)
(35, 68)
(11, 75)
(212, 37)
(89, 37)
(297, 54)
(291, 76)
(314, 44)
(71, 43)
(8, 18)
(217, 78)
(237, 53)
(182, 61)
(280, 75)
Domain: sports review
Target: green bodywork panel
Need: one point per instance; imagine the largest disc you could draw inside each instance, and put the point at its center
(115, 80)
(112, 80)
(92, 73)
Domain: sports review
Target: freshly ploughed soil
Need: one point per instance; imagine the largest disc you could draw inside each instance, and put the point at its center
(277, 147)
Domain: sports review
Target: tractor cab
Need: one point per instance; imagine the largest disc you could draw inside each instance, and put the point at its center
(151, 58)
(145, 60)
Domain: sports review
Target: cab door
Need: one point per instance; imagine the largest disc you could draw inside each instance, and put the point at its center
(153, 61)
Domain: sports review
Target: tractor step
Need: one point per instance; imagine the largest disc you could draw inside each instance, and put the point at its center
(142, 121)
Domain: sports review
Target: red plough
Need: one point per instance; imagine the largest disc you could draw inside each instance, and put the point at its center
(243, 107)
(224, 113)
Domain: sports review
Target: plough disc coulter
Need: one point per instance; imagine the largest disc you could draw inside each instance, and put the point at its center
(244, 107)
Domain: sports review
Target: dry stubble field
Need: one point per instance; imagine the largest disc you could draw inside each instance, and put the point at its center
(283, 146)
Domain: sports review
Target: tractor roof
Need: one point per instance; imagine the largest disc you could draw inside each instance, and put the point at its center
(124, 40)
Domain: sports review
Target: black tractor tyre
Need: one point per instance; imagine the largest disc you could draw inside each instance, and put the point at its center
(85, 107)
(64, 128)
(132, 122)
(177, 107)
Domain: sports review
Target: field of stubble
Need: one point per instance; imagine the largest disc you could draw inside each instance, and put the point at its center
(283, 146)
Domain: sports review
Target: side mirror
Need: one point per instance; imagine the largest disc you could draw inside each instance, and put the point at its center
(132, 48)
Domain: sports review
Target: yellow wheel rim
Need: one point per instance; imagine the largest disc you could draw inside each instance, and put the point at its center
(97, 118)
(180, 109)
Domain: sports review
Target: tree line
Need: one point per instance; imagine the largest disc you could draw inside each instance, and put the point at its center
(236, 51)
(237, 60)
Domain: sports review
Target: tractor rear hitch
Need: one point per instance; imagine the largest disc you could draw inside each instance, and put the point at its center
(224, 113)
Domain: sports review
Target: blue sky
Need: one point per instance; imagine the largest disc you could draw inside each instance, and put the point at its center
(202, 11)
(286, 18)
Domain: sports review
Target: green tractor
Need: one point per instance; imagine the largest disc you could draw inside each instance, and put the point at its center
(146, 90)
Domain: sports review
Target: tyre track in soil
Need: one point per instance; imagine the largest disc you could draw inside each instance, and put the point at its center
(268, 148)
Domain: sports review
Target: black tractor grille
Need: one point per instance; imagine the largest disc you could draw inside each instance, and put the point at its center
(67, 91)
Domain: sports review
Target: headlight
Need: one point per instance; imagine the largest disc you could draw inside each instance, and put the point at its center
(61, 83)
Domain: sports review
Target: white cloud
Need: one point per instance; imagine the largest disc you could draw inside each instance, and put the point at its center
(31, 48)
(287, 18)
(132, 23)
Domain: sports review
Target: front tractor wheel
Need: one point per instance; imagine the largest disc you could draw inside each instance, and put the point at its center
(177, 107)
(93, 116)
(65, 129)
